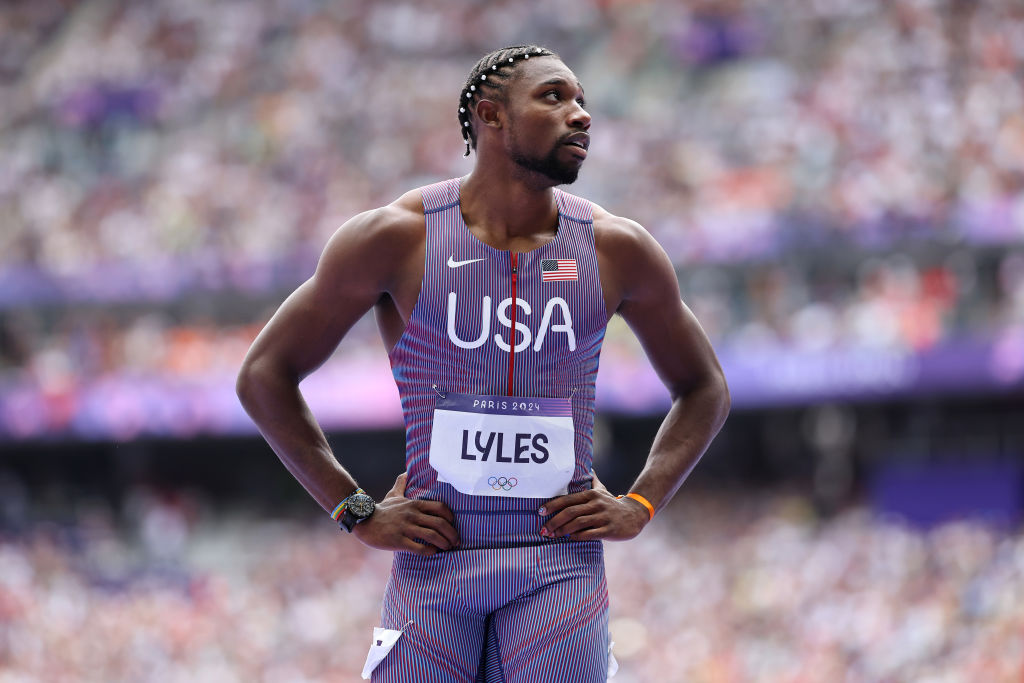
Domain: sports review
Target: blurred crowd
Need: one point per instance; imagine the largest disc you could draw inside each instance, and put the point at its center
(839, 173)
(213, 144)
(729, 588)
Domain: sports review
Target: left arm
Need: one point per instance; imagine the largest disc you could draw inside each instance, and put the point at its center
(641, 285)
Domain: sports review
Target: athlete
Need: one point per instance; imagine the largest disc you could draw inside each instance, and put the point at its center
(492, 293)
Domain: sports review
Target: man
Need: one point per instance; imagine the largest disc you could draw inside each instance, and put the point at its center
(492, 293)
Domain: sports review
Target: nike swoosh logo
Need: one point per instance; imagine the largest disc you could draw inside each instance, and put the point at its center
(456, 264)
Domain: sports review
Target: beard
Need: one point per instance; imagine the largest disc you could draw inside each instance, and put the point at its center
(548, 165)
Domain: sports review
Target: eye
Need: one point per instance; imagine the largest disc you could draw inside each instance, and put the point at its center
(553, 94)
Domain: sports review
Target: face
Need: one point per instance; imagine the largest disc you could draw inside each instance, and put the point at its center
(547, 122)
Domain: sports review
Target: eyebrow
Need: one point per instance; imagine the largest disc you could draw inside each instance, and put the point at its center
(562, 81)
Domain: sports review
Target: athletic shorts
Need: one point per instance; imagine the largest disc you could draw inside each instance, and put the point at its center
(543, 610)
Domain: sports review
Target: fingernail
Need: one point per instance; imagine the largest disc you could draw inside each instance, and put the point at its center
(542, 511)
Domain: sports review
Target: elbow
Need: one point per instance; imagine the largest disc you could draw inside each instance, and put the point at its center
(248, 383)
(724, 398)
(261, 381)
(714, 394)
(711, 392)
(245, 383)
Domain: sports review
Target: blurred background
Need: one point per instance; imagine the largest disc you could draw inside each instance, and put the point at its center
(840, 184)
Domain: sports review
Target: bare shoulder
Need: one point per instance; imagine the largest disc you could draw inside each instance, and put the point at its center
(373, 244)
(630, 259)
(391, 227)
(403, 218)
(620, 236)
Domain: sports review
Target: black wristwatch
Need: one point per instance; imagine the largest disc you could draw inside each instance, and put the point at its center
(358, 508)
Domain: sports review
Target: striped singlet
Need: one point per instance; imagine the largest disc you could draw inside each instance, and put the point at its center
(541, 603)
(465, 301)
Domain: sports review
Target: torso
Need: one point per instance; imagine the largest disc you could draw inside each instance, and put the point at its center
(447, 321)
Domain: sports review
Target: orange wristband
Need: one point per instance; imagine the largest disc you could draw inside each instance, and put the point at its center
(643, 501)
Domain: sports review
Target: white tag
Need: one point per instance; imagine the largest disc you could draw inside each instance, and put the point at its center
(613, 664)
(504, 445)
(383, 640)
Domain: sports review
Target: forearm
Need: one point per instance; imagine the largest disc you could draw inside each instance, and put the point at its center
(275, 404)
(691, 424)
(693, 421)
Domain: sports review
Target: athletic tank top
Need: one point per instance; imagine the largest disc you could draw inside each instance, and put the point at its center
(460, 339)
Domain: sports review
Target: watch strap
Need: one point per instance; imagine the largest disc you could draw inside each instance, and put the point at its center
(348, 521)
(339, 510)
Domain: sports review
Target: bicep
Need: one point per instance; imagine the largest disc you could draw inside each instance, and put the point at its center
(312, 321)
(673, 339)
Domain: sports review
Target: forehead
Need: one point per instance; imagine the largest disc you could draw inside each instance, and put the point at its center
(533, 72)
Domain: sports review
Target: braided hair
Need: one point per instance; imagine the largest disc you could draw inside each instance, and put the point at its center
(491, 74)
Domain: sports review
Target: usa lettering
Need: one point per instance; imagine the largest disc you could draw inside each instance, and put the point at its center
(556, 319)
(525, 447)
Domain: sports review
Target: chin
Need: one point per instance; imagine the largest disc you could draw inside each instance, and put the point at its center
(568, 176)
(563, 176)
(550, 168)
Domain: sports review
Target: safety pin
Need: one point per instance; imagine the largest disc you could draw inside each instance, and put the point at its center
(438, 391)
(400, 631)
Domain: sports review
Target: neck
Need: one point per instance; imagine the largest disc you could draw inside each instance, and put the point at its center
(505, 204)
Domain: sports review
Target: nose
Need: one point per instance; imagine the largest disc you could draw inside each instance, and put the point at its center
(579, 118)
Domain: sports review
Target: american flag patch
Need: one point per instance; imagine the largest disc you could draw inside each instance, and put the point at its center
(557, 269)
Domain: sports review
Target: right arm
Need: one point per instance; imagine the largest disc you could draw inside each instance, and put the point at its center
(359, 265)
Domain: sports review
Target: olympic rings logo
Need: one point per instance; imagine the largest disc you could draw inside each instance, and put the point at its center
(502, 483)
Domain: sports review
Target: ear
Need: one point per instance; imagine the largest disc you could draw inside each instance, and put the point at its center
(490, 113)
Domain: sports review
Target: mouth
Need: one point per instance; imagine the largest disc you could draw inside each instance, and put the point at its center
(579, 142)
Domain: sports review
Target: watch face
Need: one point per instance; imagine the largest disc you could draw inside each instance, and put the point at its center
(360, 505)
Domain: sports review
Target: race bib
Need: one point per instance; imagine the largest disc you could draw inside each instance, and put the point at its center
(504, 445)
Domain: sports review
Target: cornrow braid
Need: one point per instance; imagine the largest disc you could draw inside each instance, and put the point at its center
(490, 75)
